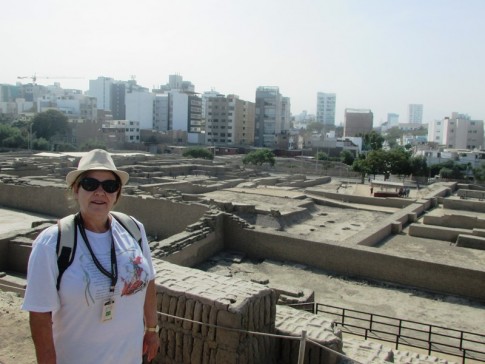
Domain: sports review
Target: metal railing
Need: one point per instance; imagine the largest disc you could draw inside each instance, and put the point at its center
(437, 339)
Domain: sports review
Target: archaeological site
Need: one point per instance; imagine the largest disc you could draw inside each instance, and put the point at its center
(256, 263)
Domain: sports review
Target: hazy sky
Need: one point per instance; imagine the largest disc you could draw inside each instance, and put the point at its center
(375, 54)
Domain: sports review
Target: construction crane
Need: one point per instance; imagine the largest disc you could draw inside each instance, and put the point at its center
(35, 77)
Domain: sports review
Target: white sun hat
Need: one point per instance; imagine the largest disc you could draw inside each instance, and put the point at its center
(96, 160)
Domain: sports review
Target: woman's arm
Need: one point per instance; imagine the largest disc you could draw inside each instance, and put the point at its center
(151, 340)
(41, 329)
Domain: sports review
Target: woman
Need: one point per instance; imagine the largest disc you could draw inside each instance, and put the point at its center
(105, 308)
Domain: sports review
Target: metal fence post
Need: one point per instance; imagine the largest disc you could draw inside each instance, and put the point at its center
(301, 353)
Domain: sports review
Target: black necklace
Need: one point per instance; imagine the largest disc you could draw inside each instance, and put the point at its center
(113, 275)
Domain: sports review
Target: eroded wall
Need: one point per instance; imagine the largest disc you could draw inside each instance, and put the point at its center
(357, 261)
(162, 218)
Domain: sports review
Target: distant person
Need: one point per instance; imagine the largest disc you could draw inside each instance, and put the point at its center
(103, 310)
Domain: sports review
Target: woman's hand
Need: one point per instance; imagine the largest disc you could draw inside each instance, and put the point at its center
(151, 343)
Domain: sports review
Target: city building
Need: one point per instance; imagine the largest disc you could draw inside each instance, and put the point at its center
(415, 113)
(139, 107)
(358, 122)
(271, 114)
(102, 89)
(185, 114)
(326, 108)
(285, 115)
(161, 112)
(457, 131)
(117, 133)
(392, 120)
(229, 120)
(118, 105)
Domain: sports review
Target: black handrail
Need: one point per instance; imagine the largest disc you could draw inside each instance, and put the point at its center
(415, 334)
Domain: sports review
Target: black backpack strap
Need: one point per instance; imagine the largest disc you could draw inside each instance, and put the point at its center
(129, 225)
(66, 244)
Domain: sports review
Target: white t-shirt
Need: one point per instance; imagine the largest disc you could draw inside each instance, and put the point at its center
(80, 336)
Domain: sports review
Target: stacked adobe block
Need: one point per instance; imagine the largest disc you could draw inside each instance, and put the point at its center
(204, 301)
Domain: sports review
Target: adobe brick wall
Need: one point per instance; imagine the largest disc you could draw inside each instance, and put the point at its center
(356, 260)
(215, 300)
(161, 217)
(225, 309)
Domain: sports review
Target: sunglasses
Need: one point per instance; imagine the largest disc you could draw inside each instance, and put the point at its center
(92, 184)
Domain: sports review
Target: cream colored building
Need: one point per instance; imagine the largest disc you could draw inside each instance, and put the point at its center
(457, 131)
(229, 121)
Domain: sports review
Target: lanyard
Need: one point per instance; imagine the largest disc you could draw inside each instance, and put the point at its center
(113, 275)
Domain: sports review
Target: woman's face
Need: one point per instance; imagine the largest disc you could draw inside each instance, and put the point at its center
(97, 203)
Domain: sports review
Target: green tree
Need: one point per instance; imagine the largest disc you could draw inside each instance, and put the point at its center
(347, 157)
(322, 156)
(259, 157)
(12, 137)
(201, 153)
(93, 144)
(50, 124)
(479, 173)
(314, 126)
(40, 144)
(6, 119)
(399, 161)
(372, 141)
(378, 162)
(392, 135)
(419, 166)
(457, 171)
(361, 166)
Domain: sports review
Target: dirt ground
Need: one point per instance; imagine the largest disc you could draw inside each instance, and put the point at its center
(16, 345)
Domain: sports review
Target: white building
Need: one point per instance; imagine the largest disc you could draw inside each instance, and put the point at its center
(272, 116)
(185, 114)
(101, 88)
(121, 131)
(392, 120)
(326, 108)
(415, 113)
(139, 107)
(161, 112)
(457, 131)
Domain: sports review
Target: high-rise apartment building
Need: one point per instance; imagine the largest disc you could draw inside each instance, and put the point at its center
(392, 119)
(415, 114)
(118, 106)
(457, 131)
(139, 107)
(185, 114)
(326, 108)
(271, 111)
(358, 122)
(229, 120)
(285, 114)
(161, 112)
(101, 88)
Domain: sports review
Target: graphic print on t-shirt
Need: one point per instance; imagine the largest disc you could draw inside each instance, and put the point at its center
(135, 278)
(131, 272)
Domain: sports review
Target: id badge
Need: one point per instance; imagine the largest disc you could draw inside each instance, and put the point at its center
(107, 313)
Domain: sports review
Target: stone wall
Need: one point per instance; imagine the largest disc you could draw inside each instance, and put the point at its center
(291, 322)
(208, 318)
(161, 218)
(358, 261)
(231, 304)
(385, 202)
(455, 221)
(436, 232)
(466, 205)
